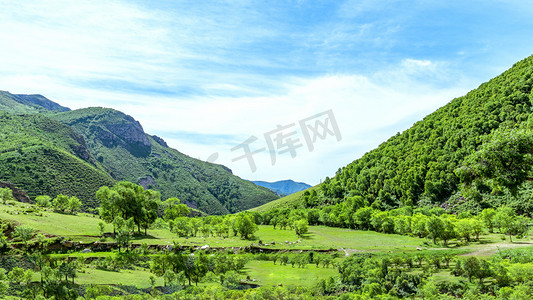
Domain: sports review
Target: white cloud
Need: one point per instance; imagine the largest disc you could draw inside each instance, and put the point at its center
(240, 70)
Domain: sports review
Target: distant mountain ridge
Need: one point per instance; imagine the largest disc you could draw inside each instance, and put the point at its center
(21, 103)
(49, 149)
(284, 187)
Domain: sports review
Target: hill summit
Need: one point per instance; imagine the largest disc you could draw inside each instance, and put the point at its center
(50, 149)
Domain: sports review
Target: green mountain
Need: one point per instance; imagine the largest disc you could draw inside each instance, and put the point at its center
(416, 167)
(49, 149)
(27, 104)
(120, 144)
(45, 157)
(284, 187)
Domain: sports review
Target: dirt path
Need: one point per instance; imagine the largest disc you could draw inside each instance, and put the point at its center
(490, 249)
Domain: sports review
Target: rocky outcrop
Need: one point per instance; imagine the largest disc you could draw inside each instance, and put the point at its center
(147, 182)
(128, 134)
(18, 194)
(160, 141)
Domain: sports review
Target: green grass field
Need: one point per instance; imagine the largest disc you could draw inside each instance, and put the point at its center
(267, 274)
(284, 202)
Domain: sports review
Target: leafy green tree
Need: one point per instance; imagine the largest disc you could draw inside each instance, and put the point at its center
(129, 200)
(505, 220)
(205, 229)
(43, 201)
(195, 225)
(472, 267)
(246, 226)
(487, 215)
(6, 194)
(435, 228)
(16, 275)
(362, 217)
(24, 232)
(182, 227)
(464, 229)
(448, 231)
(60, 203)
(418, 225)
(101, 228)
(477, 227)
(124, 231)
(74, 204)
(301, 227)
(173, 209)
(505, 160)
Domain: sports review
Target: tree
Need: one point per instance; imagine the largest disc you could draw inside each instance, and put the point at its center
(471, 267)
(60, 203)
(246, 225)
(464, 229)
(435, 228)
(6, 194)
(195, 224)
(418, 225)
(74, 204)
(506, 160)
(25, 233)
(182, 227)
(16, 275)
(505, 219)
(487, 215)
(129, 200)
(173, 209)
(124, 229)
(362, 217)
(448, 231)
(301, 227)
(43, 201)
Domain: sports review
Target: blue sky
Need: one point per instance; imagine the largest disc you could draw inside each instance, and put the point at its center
(207, 75)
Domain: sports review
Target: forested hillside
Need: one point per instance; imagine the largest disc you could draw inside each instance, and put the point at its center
(48, 149)
(417, 166)
(121, 145)
(45, 157)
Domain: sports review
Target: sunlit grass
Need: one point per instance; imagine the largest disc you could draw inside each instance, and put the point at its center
(267, 274)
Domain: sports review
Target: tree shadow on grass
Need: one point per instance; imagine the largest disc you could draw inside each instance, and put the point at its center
(308, 236)
(144, 237)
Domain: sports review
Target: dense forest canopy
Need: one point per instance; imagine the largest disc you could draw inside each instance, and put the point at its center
(417, 166)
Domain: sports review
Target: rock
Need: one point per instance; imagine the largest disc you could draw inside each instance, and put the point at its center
(18, 194)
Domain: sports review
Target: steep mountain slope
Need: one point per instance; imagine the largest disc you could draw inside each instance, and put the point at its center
(417, 167)
(45, 157)
(283, 187)
(128, 153)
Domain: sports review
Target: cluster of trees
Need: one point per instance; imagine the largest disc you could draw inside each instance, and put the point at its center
(125, 201)
(177, 266)
(56, 278)
(369, 276)
(61, 203)
(423, 222)
(426, 163)
(243, 224)
(302, 259)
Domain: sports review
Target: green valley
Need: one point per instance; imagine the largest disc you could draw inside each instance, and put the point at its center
(440, 211)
